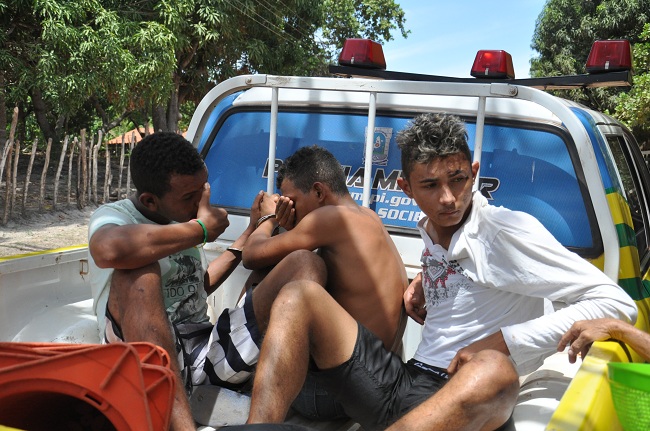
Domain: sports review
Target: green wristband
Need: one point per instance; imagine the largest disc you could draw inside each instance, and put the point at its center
(205, 231)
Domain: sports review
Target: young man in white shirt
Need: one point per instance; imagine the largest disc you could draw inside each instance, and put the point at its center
(486, 272)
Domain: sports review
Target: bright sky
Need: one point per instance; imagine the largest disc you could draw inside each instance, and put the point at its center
(445, 35)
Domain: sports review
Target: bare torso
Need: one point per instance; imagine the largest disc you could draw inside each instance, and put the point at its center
(365, 272)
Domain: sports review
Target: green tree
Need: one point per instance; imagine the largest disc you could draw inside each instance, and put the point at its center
(634, 107)
(565, 31)
(220, 39)
(18, 57)
(66, 62)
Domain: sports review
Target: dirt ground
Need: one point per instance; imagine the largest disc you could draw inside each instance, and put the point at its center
(45, 231)
(34, 228)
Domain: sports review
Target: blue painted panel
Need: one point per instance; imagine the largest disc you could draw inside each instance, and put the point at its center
(217, 112)
(521, 169)
(605, 164)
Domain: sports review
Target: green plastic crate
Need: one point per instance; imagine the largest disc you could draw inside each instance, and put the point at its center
(630, 385)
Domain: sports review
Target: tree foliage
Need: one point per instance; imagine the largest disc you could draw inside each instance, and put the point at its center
(634, 107)
(565, 31)
(67, 61)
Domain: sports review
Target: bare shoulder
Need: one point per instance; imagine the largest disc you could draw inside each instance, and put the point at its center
(342, 215)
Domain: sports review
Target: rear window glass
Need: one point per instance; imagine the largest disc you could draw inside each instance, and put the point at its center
(522, 169)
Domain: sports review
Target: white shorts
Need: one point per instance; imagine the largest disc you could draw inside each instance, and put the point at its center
(223, 354)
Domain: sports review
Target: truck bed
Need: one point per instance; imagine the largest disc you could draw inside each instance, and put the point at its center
(46, 297)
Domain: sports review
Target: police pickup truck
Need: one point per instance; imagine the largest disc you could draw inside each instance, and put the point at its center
(578, 171)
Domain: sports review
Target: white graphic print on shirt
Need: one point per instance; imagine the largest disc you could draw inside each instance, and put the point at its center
(182, 286)
(441, 279)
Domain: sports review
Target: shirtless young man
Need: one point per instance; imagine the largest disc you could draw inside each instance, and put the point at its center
(365, 273)
(486, 272)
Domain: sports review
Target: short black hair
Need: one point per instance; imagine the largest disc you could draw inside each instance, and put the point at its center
(313, 164)
(160, 155)
(429, 136)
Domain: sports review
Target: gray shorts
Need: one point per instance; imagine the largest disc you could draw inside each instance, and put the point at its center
(375, 387)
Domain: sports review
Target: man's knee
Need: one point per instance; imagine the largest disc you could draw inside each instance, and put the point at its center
(307, 265)
(146, 276)
(496, 371)
(135, 289)
(298, 295)
(487, 387)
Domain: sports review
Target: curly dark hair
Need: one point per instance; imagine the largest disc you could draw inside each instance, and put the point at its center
(313, 164)
(160, 155)
(428, 136)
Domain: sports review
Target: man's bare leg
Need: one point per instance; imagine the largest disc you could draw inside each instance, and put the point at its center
(304, 319)
(299, 265)
(136, 303)
(480, 396)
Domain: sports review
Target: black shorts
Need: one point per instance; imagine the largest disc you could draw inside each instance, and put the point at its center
(375, 387)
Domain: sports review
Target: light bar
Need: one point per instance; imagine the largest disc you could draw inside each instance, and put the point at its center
(362, 53)
(609, 56)
(493, 64)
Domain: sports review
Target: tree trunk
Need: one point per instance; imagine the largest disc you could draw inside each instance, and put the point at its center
(3, 111)
(159, 118)
(58, 171)
(128, 171)
(5, 216)
(82, 172)
(48, 150)
(40, 111)
(8, 144)
(6, 157)
(28, 177)
(173, 114)
(21, 128)
(95, 167)
(121, 168)
(72, 147)
(166, 119)
(14, 178)
(108, 176)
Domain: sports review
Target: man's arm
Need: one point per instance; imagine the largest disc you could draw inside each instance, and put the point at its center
(220, 269)
(317, 229)
(414, 301)
(583, 333)
(545, 269)
(134, 246)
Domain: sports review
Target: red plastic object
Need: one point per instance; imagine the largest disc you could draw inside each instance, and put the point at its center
(53, 386)
(493, 64)
(362, 53)
(609, 56)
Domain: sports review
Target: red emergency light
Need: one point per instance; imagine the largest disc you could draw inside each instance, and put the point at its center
(362, 53)
(493, 64)
(609, 56)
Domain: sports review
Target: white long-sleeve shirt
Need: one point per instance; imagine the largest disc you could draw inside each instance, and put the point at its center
(499, 268)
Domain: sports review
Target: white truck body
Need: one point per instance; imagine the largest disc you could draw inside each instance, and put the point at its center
(46, 296)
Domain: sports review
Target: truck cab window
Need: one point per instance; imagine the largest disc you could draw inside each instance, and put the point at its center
(632, 175)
